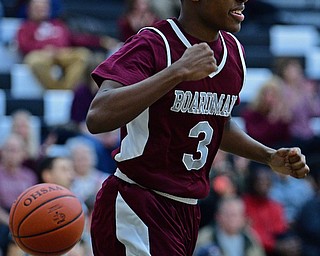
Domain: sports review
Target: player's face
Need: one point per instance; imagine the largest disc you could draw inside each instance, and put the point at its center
(222, 14)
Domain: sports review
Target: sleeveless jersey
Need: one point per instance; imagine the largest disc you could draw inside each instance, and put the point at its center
(170, 146)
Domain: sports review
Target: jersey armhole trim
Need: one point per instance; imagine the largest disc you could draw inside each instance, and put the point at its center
(165, 40)
(241, 57)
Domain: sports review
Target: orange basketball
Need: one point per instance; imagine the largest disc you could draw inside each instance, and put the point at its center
(46, 219)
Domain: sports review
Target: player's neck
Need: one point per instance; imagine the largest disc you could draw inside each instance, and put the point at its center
(197, 29)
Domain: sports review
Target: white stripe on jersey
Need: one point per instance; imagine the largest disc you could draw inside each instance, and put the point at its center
(130, 230)
(185, 41)
(165, 40)
(241, 57)
(138, 133)
(134, 143)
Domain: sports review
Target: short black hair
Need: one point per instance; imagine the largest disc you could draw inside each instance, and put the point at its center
(44, 164)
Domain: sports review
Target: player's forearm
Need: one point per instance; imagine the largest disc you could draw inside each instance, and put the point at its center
(237, 142)
(116, 105)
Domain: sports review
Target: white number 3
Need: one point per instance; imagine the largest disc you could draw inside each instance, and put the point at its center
(188, 159)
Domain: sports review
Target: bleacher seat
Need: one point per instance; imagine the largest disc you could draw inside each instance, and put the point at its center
(254, 80)
(315, 124)
(289, 4)
(34, 106)
(2, 103)
(5, 81)
(313, 63)
(96, 16)
(24, 84)
(292, 40)
(8, 50)
(8, 29)
(6, 123)
(57, 105)
(9, 57)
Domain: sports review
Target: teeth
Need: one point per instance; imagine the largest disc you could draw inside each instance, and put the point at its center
(238, 12)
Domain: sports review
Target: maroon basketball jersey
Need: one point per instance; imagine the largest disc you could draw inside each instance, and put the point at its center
(171, 145)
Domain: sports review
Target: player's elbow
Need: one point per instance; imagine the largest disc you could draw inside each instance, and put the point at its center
(94, 123)
(97, 123)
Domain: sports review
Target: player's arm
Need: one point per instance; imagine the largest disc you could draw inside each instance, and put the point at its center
(116, 105)
(289, 161)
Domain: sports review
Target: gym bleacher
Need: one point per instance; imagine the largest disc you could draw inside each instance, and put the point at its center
(295, 33)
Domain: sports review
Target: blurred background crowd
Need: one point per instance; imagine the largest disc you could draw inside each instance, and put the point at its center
(48, 49)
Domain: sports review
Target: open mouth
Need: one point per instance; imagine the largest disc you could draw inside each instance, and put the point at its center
(237, 14)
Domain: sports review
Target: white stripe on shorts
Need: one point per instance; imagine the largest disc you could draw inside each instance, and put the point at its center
(130, 230)
(125, 178)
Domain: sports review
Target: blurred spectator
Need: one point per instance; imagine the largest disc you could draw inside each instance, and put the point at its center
(302, 99)
(241, 170)
(55, 139)
(57, 56)
(138, 14)
(84, 92)
(165, 8)
(104, 143)
(267, 117)
(22, 125)
(308, 219)
(229, 234)
(221, 163)
(14, 179)
(223, 184)
(88, 178)
(59, 170)
(267, 216)
(56, 7)
(83, 95)
(110, 141)
(291, 193)
(45, 43)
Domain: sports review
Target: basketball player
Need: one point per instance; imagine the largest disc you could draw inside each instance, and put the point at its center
(171, 89)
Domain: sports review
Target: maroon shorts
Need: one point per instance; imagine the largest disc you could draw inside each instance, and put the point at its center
(130, 220)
